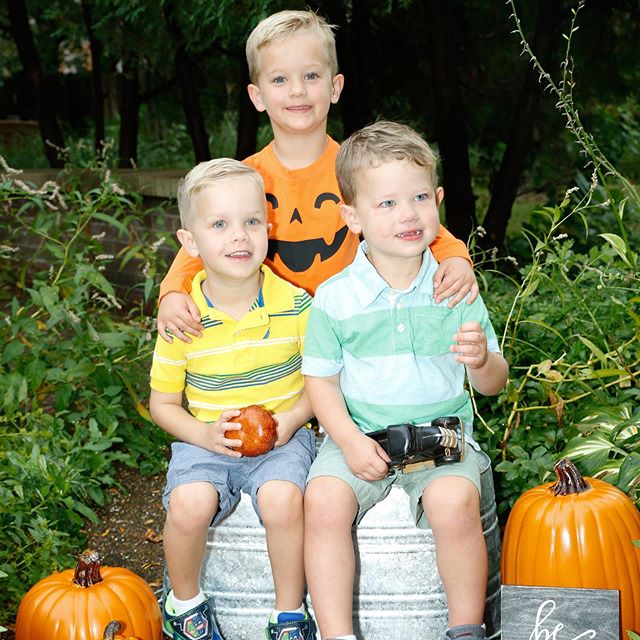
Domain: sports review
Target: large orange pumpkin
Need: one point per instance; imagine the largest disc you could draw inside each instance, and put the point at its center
(77, 604)
(576, 532)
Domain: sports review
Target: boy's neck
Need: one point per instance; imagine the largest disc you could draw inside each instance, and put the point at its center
(233, 297)
(398, 274)
(297, 151)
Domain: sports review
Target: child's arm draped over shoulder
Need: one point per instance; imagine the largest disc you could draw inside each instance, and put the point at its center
(365, 456)
(177, 311)
(454, 277)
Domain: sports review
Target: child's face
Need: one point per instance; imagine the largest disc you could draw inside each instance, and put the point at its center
(229, 228)
(295, 85)
(396, 210)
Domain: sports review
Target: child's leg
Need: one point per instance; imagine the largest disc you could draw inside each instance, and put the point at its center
(280, 504)
(190, 512)
(452, 507)
(330, 509)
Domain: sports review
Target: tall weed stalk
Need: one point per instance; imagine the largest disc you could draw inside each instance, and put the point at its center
(570, 326)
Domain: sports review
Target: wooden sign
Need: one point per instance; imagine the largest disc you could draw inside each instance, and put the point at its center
(549, 613)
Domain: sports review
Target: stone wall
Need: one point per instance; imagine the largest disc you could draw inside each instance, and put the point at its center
(157, 189)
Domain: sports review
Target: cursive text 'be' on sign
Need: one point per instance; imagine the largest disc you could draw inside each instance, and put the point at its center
(549, 613)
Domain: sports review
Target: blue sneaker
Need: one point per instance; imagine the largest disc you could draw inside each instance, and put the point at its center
(292, 626)
(195, 624)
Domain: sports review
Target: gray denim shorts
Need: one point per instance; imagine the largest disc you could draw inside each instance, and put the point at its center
(230, 476)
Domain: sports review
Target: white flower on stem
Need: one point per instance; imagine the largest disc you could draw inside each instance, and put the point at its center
(157, 244)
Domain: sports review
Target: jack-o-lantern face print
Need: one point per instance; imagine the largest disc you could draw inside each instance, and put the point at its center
(309, 242)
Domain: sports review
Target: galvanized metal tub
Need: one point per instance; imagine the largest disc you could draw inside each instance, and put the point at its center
(398, 591)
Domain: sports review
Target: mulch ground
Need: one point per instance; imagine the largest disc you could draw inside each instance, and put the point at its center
(129, 533)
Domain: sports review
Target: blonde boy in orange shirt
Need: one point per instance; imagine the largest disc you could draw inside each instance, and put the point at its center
(294, 78)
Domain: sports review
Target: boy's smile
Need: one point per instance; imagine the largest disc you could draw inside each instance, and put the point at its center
(295, 85)
(396, 210)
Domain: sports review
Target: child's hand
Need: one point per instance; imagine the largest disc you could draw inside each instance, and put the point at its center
(216, 439)
(178, 313)
(453, 279)
(471, 345)
(366, 458)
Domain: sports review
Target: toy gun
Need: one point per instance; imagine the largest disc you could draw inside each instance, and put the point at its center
(417, 446)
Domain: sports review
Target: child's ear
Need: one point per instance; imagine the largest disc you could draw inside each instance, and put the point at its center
(336, 87)
(350, 216)
(256, 97)
(439, 196)
(187, 241)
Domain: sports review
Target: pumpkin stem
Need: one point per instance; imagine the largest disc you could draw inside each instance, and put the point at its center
(569, 479)
(111, 630)
(87, 571)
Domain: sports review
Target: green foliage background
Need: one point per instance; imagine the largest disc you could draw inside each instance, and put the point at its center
(74, 358)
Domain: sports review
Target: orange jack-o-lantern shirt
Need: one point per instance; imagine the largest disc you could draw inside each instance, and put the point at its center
(309, 241)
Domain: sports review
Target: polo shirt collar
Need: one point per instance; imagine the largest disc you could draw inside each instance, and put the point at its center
(367, 284)
(275, 295)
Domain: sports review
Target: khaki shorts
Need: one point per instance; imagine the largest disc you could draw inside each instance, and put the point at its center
(331, 462)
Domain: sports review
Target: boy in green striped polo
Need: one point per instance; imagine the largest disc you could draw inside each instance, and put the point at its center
(250, 353)
(379, 351)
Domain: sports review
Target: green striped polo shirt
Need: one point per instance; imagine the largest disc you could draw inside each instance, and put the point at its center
(254, 360)
(391, 347)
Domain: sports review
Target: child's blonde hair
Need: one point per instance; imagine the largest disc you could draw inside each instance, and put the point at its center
(375, 144)
(284, 24)
(206, 174)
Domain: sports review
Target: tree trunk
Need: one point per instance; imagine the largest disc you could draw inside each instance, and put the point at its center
(186, 73)
(505, 184)
(96, 78)
(128, 90)
(351, 38)
(30, 60)
(188, 83)
(450, 119)
(247, 120)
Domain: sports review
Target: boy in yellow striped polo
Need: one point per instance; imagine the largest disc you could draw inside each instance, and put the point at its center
(250, 353)
(380, 351)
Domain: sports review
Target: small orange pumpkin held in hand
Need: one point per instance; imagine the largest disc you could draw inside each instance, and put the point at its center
(77, 604)
(258, 433)
(577, 532)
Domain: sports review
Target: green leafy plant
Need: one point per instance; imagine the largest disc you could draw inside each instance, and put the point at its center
(74, 367)
(570, 326)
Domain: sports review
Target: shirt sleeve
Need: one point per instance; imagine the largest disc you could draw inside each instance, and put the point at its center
(322, 349)
(180, 274)
(446, 245)
(169, 366)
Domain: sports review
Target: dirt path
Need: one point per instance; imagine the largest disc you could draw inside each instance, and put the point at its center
(129, 533)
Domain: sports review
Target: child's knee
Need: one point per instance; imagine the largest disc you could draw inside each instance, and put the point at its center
(329, 504)
(457, 509)
(280, 501)
(192, 506)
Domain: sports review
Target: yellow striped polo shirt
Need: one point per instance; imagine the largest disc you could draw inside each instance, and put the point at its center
(254, 360)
